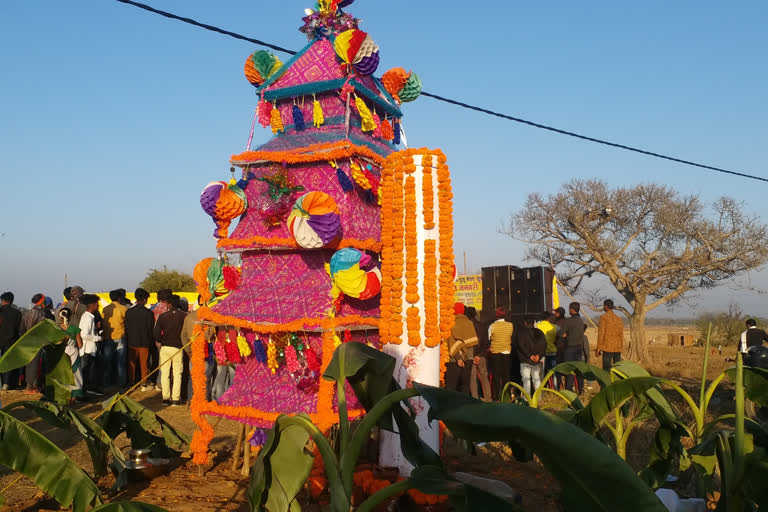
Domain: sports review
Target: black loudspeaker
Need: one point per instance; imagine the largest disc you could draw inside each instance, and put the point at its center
(518, 294)
(519, 291)
(538, 290)
(497, 287)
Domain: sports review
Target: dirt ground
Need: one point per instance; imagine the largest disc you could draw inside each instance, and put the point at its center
(221, 488)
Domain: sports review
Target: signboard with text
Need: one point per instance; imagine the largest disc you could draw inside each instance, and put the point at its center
(469, 291)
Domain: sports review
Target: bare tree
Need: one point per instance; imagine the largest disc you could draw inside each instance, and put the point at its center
(653, 244)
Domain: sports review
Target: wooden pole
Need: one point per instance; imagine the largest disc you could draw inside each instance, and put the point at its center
(238, 447)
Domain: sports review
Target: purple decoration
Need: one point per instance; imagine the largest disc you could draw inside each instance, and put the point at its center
(345, 3)
(258, 438)
(259, 352)
(327, 226)
(367, 65)
(298, 118)
(396, 126)
(344, 181)
(242, 184)
(209, 197)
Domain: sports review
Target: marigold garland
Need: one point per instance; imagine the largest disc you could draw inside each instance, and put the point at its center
(272, 357)
(276, 120)
(339, 150)
(265, 242)
(205, 313)
(431, 299)
(386, 201)
(411, 243)
(398, 254)
(387, 133)
(445, 204)
(428, 193)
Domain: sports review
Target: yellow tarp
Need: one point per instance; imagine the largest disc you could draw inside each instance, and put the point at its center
(190, 296)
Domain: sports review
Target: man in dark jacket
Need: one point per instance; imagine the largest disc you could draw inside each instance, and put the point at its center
(575, 341)
(33, 374)
(531, 345)
(139, 336)
(480, 366)
(10, 327)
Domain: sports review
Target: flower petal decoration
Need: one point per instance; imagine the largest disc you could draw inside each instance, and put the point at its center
(315, 220)
(394, 80)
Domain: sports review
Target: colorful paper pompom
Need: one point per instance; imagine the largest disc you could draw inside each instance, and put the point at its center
(412, 89)
(223, 203)
(348, 274)
(394, 80)
(315, 220)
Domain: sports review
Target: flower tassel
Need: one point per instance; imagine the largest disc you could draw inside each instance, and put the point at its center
(243, 347)
(313, 362)
(366, 119)
(233, 353)
(277, 120)
(317, 114)
(259, 352)
(298, 119)
(344, 181)
(291, 359)
(377, 122)
(397, 132)
(387, 133)
(265, 113)
(218, 348)
(272, 356)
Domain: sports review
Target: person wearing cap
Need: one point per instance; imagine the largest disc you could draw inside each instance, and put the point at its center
(461, 349)
(10, 325)
(90, 341)
(500, 334)
(32, 317)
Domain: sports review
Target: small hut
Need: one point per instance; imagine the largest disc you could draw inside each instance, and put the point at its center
(680, 340)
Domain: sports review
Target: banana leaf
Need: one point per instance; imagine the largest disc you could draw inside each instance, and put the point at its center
(609, 398)
(144, 428)
(755, 384)
(128, 506)
(25, 349)
(97, 440)
(592, 477)
(281, 469)
(588, 371)
(28, 452)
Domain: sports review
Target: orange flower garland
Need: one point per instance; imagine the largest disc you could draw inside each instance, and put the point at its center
(326, 151)
(264, 242)
(411, 245)
(387, 202)
(431, 300)
(301, 324)
(428, 193)
(445, 203)
(395, 268)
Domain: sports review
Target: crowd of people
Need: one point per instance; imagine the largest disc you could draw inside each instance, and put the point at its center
(501, 349)
(118, 346)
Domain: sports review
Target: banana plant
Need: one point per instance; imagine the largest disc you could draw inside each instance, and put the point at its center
(569, 398)
(580, 462)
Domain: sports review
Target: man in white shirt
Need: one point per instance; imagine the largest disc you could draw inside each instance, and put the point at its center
(90, 339)
(752, 337)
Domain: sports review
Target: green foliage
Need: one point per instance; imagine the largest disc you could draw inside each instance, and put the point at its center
(174, 280)
(144, 428)
(44, 334)
(726, 325)
(581, 464)
(282, 467)
(28, 452)
(99, 443)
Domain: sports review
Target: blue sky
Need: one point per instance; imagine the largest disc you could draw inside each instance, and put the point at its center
(114, 119)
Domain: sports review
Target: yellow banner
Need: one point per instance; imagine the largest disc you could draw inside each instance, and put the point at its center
(469, 291)
(190, 296)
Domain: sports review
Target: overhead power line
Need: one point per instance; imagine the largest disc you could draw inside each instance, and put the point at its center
(458, 103)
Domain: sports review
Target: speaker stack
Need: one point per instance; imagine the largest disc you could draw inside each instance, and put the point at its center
(520, 291)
